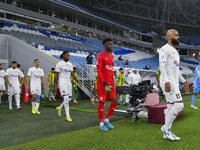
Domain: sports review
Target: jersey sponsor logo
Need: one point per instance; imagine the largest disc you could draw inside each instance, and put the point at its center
(1, 76)
(176, 63)
(36, 76)
(12, 75)
(67, 70)
(109, 67)
(106, 59)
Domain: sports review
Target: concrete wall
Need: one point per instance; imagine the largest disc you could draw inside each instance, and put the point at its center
(4, 49)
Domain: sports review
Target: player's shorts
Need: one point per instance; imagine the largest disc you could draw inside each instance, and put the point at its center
(103, 96)
(65, 88)
(2, 87)
(51, 87)
(36, 90)
(13, 90)
(160, 90)
(74, 88)
(174, 95)
(196, 89)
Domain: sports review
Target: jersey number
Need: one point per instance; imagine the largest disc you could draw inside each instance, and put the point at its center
(178, 96)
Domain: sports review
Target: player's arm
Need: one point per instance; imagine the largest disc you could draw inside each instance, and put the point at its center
(55, 82)
(158, 84)
(48, 76)
(74, 77)
(183, 81)
(27, 81)
(42, 77)
(162, 60)
(126, 82)
(7, 80)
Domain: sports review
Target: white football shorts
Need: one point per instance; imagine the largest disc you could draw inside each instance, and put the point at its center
(174, 95)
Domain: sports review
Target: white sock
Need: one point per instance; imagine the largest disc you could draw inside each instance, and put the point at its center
(17, 100)
(37, 106)
(62, 105)
(33, 104)
(101, 124)
(173, 113)
(66, 104)
(10, 99)
(169, 107)
(106, 119)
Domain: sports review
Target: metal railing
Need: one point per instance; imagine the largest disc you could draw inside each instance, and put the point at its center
(86, 80)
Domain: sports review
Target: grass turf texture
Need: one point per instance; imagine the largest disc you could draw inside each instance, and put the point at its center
(86, 134)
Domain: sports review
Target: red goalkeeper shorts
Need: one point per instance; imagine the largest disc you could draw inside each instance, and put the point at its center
(103, 96)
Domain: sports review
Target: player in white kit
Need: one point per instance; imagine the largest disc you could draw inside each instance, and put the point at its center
(2, 82)
(64, 70)
(12, 78)
(169, 61)
(35, 74)
(21, 77)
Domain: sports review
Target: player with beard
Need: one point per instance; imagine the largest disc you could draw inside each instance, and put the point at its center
(64, 70)
(105, 83)
(169, 61)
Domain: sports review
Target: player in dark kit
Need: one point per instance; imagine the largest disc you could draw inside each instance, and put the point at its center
(105, 84)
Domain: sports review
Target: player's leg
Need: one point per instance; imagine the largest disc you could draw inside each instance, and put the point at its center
(37, 102)
(33, 102)
(75, 94)
(54, 94)
(49, 93)
(10, 94)
(118, 97)
(160, 95)
(123, 99)
(196, 90)
(42, 89)
(17, 100)
(112, 97)
(102, 96)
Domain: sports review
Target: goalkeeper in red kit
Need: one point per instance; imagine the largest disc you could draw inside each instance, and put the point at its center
(105, 83)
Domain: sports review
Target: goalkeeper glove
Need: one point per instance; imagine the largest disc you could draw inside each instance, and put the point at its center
(107, 87)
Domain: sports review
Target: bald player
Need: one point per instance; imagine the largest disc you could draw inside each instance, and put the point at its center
(169, 60)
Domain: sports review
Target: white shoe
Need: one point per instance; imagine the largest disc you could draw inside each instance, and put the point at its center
(176, 137)
(10, 106)
(193, 107)
(168, 133)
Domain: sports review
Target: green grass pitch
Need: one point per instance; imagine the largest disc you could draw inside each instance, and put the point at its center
(21, 130)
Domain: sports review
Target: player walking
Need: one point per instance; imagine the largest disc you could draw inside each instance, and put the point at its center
(64, 70)
(120, 82)
(105, 83)
(169, 60)
(35, 74)
(2, 81)
(50, 79)
(13, 78)
(196, 86)
(74, 85)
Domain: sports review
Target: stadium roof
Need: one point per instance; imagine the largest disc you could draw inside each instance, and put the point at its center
(177, 12)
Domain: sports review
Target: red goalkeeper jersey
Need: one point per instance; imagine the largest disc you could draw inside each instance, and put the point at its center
(105, 64)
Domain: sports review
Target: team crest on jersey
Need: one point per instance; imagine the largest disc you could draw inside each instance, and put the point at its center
(162, 57)
(101, 98)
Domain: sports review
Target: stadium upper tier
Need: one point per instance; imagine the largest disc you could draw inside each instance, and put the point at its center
(57, 41)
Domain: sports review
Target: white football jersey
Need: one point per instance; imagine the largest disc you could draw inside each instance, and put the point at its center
(170, 56)
(64, 69)
(2, 75)
(35, 76)
(13, 75)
